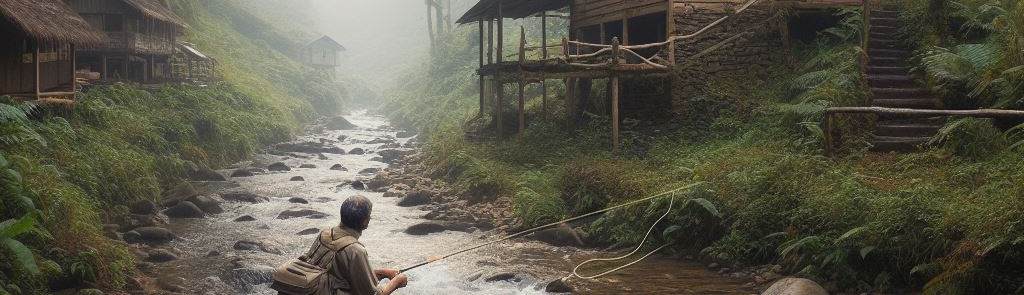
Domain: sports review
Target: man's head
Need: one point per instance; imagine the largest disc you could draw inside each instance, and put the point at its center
(355, 212)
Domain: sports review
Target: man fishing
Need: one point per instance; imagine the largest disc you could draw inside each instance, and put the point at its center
(349, 267)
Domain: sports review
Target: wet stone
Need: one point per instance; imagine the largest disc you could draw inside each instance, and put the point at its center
(245, 218)
(144, 207)
(307, 166)
(416, 198)
(207, 204)
(185, 209)
(161, 255)
(245, 197)
(405, 134)
(503, 277)
(307, 213)
(357, 151)
(358, 185)
(148, 235)
(369, 171)
(254, 246)
(298, 201)
(297, 178)
(559, 286)
(204, 174)
(308, 231)
(425, 228)
(242, 173)
(279, 167)
(338, 167)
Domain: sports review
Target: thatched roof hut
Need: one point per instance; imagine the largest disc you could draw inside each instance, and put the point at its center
(153, 9)
(51, 20)
(488, 9)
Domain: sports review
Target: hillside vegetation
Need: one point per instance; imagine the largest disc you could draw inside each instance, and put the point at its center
(942, 221)
(64, 172)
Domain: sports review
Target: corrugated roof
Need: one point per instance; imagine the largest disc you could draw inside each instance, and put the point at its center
(153, 8)
(488, 9)
(51, 20)
(329, 42)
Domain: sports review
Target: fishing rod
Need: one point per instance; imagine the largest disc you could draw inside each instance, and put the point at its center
(535, 229)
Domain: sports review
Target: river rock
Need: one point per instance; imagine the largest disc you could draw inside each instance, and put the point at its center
(154, 235)
(185, 209)
(391, 156)
(425, 228)
(559, 286)
(143, 207)
(180, 192)
(342, 137)
(252, 276)
(357, 151)
(369, 171)
(358, 185)
(307, 166)
(795, 286)
(307, 213)
(405, 134)
(503, 277)
(298, 201)
(204, 174)
(339, 123)
(245, 218)
(173, 284)
(381, 141)
(338, 167)
(308, 231)
(134, 221)
(245, 197)
(416, 198)
(207, 204)
(297, 178)
(393, 193)
(308, 148)
(161, 255)
(244, 172)
(255, 246)
(560, 236)
(279, 167)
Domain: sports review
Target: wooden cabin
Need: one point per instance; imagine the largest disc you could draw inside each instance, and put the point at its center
(143, 37)
(322, 54)
(678, 42)
(37, 52)
(191, 65)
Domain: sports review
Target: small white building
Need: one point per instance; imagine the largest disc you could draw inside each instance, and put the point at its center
(322, 54)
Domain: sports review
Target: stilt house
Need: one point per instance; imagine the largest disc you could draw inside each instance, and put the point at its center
(37, 52)
(678, 42)
(142, 34)
(322, 54)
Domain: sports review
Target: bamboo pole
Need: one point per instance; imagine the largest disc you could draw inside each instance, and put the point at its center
(482, 95)
(615, 97)
(36, 57)
(498, 82)
(522, 86)
(544, 55)
(490, 41)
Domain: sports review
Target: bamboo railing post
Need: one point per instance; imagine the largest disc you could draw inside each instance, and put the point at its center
(827, 130)
(482, 94)
(544, 56)
(490, 41)
(615, 95)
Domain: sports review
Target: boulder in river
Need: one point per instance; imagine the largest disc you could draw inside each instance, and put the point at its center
(160, 255)
(357, 151)
(503, 277)
(339, 123)
(242, 196)
(559, 286)
(279, 167)
(244, 172)
(149, 235)
(143, 207)
(308, 147)
(180, 192)
(425, 228)
(255, 246)
(185, 209)
(405, 134)
(795, 286)
(297, 178)
(204, 174)
(369, 171)
(307, 166)
(298, 200)
(308, 231)
(207, 204)
(307, 213)
(391, 156)
(245, 218)
(338, 167)
(358, 185)
(416, 198)
(560, 236)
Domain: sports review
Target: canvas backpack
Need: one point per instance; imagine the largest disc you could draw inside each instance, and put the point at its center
(299, 277)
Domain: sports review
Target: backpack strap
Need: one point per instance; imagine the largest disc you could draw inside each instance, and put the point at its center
(327, 238)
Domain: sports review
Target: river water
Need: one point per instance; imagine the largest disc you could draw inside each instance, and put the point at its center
(208, 264)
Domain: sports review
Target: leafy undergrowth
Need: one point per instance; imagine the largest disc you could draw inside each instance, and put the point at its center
(945, 221)
(67, 170)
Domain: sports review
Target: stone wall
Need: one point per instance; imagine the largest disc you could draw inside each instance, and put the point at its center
(753, 57)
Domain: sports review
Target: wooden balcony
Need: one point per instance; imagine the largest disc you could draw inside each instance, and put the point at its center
(140, 43)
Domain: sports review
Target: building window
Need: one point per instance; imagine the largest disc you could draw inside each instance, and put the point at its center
(113, 23)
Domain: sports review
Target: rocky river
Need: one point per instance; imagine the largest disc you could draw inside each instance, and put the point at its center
(225, 236)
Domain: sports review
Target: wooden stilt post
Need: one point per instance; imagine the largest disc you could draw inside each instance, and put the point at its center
(490, 41)
(544, 55)
(481, 113)
(522, 85)
(499, 82)
(74, 70)
(38, 78)
(615, 96)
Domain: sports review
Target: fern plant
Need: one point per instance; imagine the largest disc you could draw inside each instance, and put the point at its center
(15, 126)
(22, 255)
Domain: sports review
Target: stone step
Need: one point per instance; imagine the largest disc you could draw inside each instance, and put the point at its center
(898, 143)
(886, 14)
(910, 103)
(892, 93)
(889, 129)
(885, 61)
(882, 35)
(888, 52)
(884, 21)
(883, 43)
(891, 81)
(888, 70)
(884, 29)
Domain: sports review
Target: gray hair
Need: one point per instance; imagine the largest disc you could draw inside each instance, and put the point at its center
(355, 211)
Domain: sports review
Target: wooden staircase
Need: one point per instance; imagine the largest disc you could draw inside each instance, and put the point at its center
(892, 85)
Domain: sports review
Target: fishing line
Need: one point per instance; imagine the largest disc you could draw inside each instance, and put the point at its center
(553, 224)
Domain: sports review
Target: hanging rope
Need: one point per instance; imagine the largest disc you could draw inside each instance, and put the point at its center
(575, 270)
(553, 224)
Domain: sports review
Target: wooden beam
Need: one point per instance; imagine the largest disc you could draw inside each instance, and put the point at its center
(482, 95)
(522, 86)
(74, 69)
(985, 113)
(36, 58)
(615, 97)
(544, 55)
(499, 57)
(490, 41)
